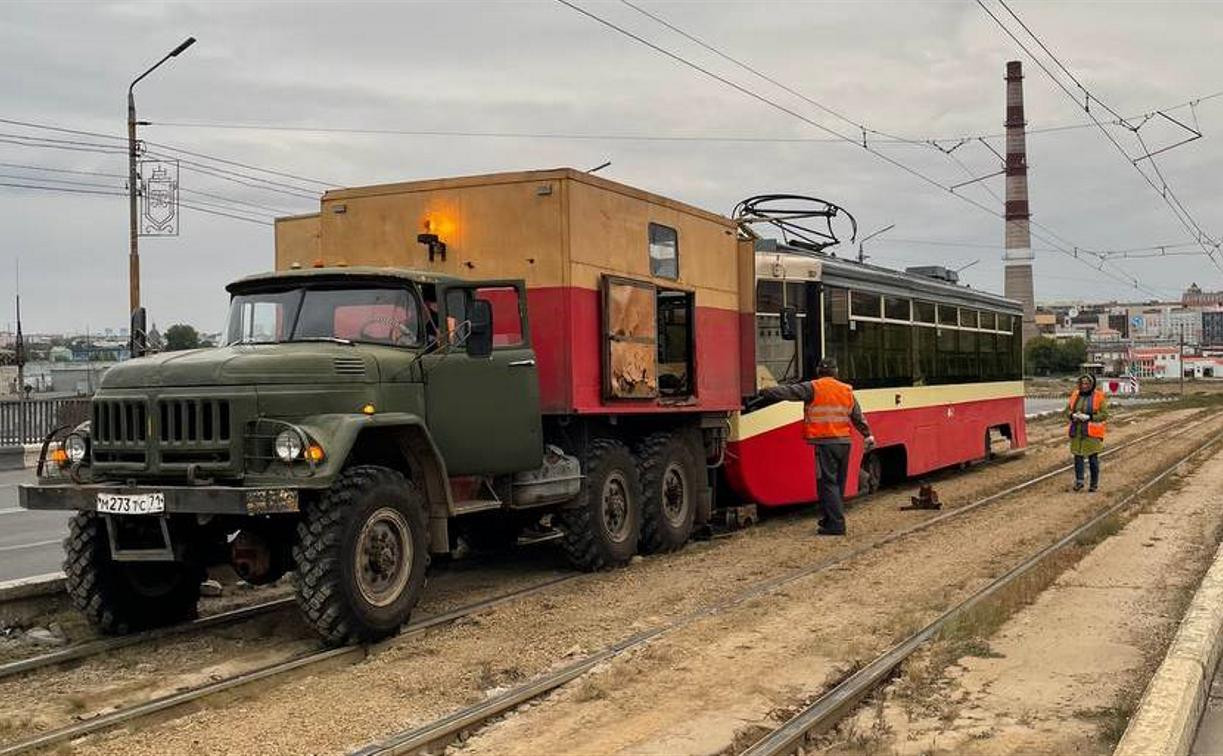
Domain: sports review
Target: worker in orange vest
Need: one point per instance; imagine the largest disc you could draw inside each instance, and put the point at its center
(1088, 414)
(829, 416)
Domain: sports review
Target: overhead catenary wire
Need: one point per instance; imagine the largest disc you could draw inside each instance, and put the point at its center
(863, 144)
(1209, 246)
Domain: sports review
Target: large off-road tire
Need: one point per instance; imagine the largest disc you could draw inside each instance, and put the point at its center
(671, 480)
(602, 527)
(361, 554)
(123, 597)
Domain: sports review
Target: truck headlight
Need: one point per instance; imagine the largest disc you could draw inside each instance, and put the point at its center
(288, 445)
(76, 447)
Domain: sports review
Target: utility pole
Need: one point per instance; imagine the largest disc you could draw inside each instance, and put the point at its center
(19, 346)
(862, 256)
(136, 340)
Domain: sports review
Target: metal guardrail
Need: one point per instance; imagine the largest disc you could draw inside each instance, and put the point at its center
(28, 421)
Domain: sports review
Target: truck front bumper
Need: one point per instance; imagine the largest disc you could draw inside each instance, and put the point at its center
(229, 500)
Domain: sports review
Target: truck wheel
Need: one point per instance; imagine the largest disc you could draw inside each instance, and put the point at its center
(669, 482)
(602, 527)
(123, 597)
(361, 554)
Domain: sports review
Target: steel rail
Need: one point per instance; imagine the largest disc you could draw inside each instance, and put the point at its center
(354, 653)
(107, 645)
(833, 705)
(441, 731)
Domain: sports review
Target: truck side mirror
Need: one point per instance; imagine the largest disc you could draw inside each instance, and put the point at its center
(789, 323)
(480, 339)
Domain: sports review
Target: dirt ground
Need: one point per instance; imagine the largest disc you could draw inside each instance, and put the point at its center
(696, 686)
(1063, 674)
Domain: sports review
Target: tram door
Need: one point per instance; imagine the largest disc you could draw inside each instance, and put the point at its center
(813, 339)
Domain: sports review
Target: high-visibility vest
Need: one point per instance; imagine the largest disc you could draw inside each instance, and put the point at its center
(827, 414)
(1095, 429)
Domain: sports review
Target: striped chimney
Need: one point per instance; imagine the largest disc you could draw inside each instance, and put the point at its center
(1017, 258)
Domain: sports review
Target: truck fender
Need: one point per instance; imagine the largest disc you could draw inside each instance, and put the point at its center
(393, 439)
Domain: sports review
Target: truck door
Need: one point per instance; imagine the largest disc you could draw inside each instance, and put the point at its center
(483, 412)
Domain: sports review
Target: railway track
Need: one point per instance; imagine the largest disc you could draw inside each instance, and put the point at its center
(446, 729)
(439, 733)
(835, 704)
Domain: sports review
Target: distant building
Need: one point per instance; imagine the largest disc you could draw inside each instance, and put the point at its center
(1195, 297)
(1212, 328)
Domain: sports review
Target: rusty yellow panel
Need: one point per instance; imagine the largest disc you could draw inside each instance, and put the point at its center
(501, 230)
(297, 241)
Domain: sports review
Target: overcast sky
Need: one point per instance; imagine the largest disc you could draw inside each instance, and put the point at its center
(917, 69)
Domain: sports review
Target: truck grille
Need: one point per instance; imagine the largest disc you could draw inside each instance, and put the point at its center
(193, 421)
(119, 423)
(178, 432)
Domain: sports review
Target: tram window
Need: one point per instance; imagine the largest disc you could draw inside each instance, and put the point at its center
(866, 354)
(967, 364)
(895, 308)
(925, 356)
(1004, 323)
(897, 358)
(664, 251)
(968, 318)
(781, 358)
(987, 350)
(947, 316)
(866, 305)
(769, 297)
(837, 306)
(945, 363)
(923, 312)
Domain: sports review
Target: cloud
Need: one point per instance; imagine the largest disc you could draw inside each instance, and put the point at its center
(918, 70)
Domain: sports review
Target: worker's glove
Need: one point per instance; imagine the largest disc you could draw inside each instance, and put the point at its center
(869, 442)
(1079, 416)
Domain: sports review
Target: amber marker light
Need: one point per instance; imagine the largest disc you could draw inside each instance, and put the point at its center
(368, 409)
(314, 453)
(59, 457)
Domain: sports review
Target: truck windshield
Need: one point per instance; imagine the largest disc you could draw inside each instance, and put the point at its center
(379, 316)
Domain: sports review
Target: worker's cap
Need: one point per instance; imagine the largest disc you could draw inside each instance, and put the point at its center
(828, 364)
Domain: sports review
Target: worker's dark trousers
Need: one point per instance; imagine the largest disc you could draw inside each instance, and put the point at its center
(1093, 464)
(832, 468)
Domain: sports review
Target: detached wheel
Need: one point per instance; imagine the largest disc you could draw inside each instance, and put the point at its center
(670, 478)
(124, 597)
(870, 474)
(602, 527)
(361, 554)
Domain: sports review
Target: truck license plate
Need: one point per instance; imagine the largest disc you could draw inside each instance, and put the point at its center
(139, 504)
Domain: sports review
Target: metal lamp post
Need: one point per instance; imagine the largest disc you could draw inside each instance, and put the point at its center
(136, 339)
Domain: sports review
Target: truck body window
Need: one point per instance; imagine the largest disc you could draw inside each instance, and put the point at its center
(664, 251)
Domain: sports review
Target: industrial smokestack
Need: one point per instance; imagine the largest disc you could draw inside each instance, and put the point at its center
(1017, 258)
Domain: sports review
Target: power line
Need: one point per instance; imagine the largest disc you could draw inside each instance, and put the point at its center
(778, 106)
(924, 142)
(61, 170)
(1164, 191)
(67, 182)
(167, 152)
(61, 189)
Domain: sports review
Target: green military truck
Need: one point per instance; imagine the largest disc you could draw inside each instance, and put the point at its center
(358, 420)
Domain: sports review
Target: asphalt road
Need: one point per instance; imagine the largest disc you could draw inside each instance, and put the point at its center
(29, 541)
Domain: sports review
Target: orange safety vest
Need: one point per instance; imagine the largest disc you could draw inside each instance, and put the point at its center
(827, 414)
(1094, 429)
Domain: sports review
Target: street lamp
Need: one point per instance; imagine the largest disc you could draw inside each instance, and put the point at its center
(137, 337)
(862, 257)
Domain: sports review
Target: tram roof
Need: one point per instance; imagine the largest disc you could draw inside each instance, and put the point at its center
(783, 262)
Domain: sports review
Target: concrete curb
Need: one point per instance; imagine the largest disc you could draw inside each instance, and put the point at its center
(32, 587)
(1167, 717)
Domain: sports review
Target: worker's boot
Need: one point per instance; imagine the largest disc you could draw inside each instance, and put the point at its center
(1078, 485)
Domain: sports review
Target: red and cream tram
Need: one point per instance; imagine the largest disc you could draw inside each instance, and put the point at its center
(935, 365)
